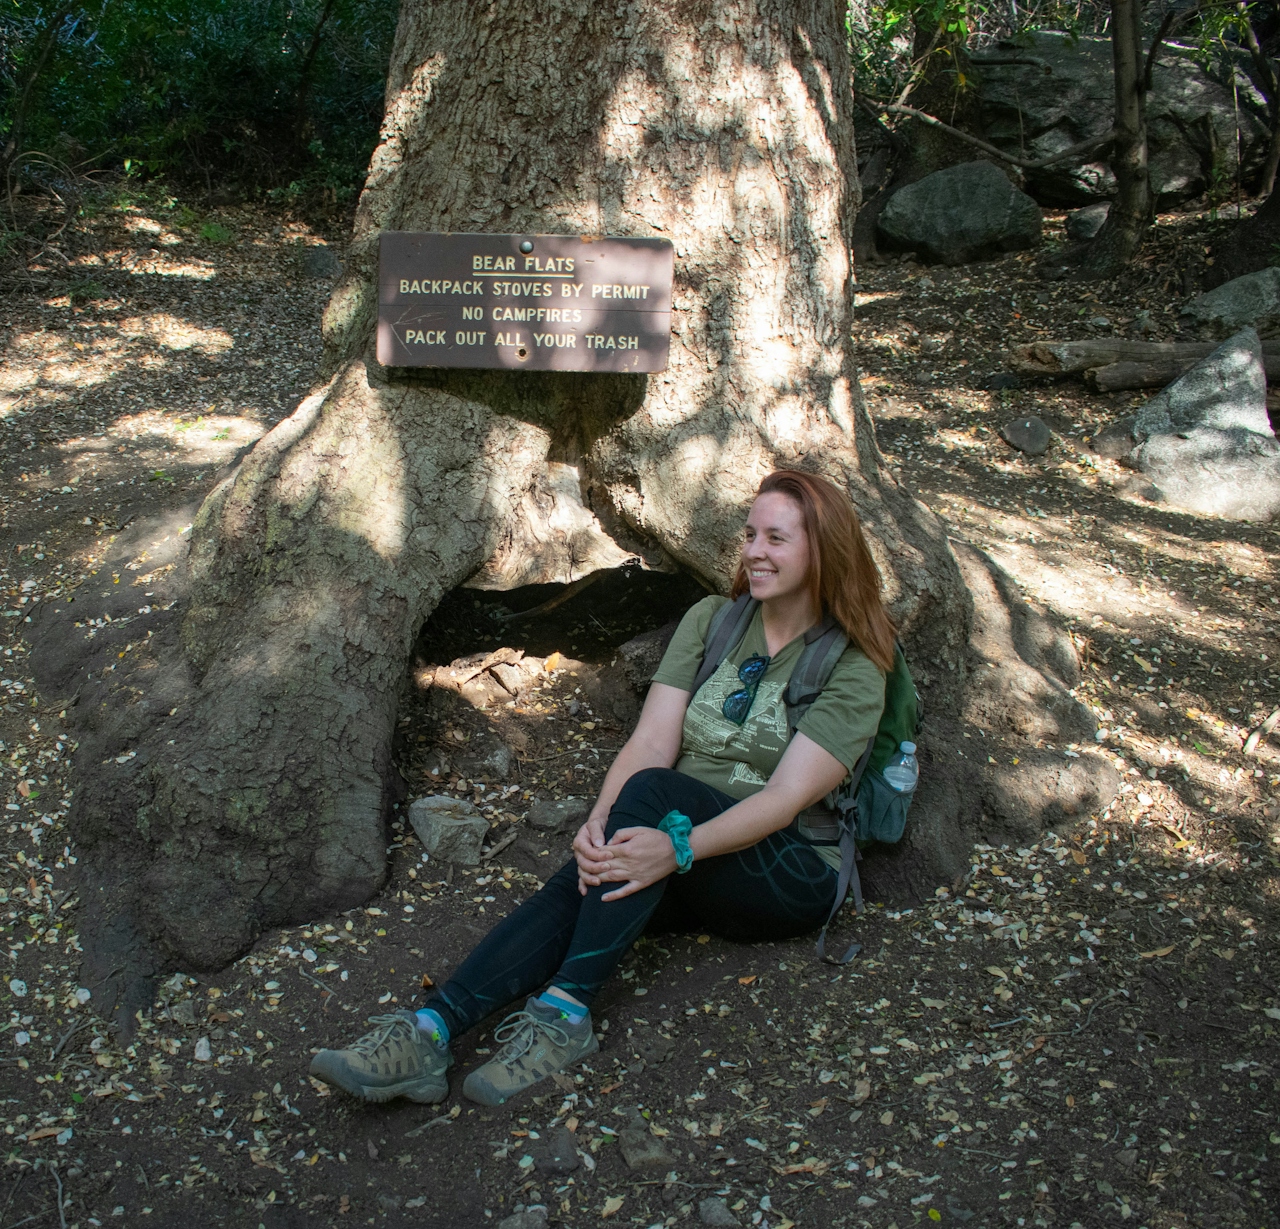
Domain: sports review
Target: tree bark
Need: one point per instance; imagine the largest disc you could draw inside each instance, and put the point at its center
(1133, 208)
(263, 797)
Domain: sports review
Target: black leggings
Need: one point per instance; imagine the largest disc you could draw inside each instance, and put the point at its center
(776, 889)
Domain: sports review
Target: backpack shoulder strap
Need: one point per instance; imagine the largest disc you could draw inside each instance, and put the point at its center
(825, 642)
(728, 625)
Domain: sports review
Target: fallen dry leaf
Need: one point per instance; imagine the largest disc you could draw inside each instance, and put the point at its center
(997, 971)
(886, 1119)
(608, 1088)
(1077, 856)
(427, 983)
(553, 663)
(42, 1133)
(611, 1205)
(861, 1091)
(25, 790)
(746, 981)
(807, 1167)
(1159, 951)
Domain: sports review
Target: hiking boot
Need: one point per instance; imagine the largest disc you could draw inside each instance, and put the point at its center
(396, 1059)
(535, 1043)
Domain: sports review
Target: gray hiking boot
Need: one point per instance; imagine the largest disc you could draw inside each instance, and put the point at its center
(396, 1059)
(535, 1043)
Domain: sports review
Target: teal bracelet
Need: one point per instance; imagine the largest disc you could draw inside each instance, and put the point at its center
(678, 827)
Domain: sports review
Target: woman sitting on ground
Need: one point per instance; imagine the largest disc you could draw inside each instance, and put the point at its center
(726, 759)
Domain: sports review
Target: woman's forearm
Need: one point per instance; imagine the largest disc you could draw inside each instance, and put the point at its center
(805, 774)
(744, 824)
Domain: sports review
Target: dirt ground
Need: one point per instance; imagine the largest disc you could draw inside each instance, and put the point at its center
(1080, 1032)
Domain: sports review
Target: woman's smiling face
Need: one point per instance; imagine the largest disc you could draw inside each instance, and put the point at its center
(775, 548)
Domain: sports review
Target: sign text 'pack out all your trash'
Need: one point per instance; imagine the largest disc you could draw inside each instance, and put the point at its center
(531, 302)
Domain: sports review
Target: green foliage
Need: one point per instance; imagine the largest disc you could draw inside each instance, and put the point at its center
(887, 38)
(261, 93)
(86, 290)
(215, 232)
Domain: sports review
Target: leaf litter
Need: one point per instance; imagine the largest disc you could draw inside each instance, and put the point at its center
(1080, 1029)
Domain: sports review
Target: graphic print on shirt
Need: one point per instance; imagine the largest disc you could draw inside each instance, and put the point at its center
(756, 744)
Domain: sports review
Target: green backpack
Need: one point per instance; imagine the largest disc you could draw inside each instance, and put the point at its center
(866, 808)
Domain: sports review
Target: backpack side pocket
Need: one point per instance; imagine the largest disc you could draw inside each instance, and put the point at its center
(882, 810)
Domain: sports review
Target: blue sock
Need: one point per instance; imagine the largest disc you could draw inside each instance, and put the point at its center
(432, 1023)
(575, 1013)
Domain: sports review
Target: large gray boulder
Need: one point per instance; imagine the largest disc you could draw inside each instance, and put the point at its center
(1205, 442)
(1250, 300)
(1048, 91)
(966, 212)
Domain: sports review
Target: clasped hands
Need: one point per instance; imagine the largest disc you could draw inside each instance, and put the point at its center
(635, 858)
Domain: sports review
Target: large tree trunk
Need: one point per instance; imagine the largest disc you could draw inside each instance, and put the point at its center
(726, 128)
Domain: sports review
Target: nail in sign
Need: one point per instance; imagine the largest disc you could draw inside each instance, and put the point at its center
(524, 302)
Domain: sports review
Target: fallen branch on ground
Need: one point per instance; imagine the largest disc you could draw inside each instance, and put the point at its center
(1110, 363)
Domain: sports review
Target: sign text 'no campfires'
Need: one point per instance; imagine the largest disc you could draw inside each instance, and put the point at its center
(532, 302)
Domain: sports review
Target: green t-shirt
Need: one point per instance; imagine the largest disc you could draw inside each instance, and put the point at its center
(740, 759)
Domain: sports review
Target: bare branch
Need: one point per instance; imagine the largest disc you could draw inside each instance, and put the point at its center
(1084, 147)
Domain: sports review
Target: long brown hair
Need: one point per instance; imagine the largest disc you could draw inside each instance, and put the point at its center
(843, 577)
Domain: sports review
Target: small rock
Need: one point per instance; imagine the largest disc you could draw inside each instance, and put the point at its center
(1127, 1157)
(183, 1012)
(390, 1203)
(1142, 323)
(558, 815)
(449, 828)
(715, 1212)
(1029, 435)
(517, 676)
(320, 262)
(531, 1218)
(1115, 441)
(556, 1153)
(486, 764)
(204, 1052)
(957, 1210)
(641, 1149)
(999, 380)
(1084, 224)
(654, 1048)
(1100, 322)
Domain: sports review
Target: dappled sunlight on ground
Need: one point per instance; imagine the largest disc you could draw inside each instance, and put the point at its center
(1176, 617)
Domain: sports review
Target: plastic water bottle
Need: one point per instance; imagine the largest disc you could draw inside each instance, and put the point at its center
(902, 772)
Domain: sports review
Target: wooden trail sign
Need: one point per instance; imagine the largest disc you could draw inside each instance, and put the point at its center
(531, 302)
